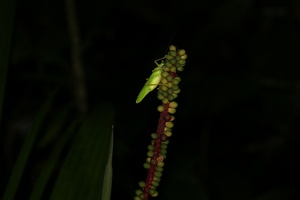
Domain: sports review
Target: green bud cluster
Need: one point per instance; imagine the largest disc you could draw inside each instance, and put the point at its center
(174, 61)
(157, 151)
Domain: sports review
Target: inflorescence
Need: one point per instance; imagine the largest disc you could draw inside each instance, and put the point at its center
(168, 91)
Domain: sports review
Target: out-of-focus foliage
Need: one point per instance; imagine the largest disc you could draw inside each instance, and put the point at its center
(7, 8)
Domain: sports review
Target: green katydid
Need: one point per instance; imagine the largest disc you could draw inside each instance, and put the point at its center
(152, 81)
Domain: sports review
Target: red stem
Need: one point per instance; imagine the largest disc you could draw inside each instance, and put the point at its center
(157, 143)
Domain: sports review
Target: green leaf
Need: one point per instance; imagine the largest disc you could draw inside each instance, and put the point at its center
(82, 173)
(22, 159)
(107, 181)
(53, 159)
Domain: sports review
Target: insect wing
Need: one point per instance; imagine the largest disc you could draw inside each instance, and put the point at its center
(150, 85)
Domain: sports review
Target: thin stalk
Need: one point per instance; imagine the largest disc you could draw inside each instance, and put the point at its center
(77, 66)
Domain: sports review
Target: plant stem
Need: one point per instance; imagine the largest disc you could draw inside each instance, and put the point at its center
(78, 72)
(157, 144)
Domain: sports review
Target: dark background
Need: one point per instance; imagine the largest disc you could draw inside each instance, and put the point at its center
(236, 133)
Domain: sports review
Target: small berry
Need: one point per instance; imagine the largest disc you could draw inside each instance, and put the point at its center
(142, 184)
(172, 110)
(164, 138)
(160, 164)
(146, 165)
(150, 154)
(172, 48)
(173, 104)
(155, 183)
(167, 117)
(138, 192)
(169, 124)
(160, 108)
(153, 162)
(181, 52)
(168, 133)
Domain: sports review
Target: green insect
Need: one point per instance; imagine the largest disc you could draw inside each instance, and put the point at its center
(152, 81)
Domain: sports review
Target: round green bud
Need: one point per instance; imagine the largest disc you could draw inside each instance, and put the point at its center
(169, 84)
(155, 183)
(175, 95)
(169, 78)
(152, 192)
(170, 97)
(175, 87)
(150, 154)
(177, 91)
(148, 160)
(181, 52)
(164, 74)
(164, 94)
(137, 198)
(146, 165)
(163, 152)
(166, 142)
(172, 48)
(167, 129)
(155, 194)
(160, 108)
(180, 69)
(173, 69)
(160, 164)
(159, 168)
(157, 174)
(172, 61)
(164, 88)
(142, 184)
(164, 146)
(184, 57)
(169, 124)
(177, 65)
(150, 147)
(138, 192)
(178, 78)
(160, 96)
(141, 196)
(175, 81)
(165, 101)
(168, 57)
(170, 91)
(168, 64)
(154, 135)
(182, 62)
(164, 81)
(172, 110)
(155, 178)
(173, 104)
(172, 53)
(168, 133)
(177, 57)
